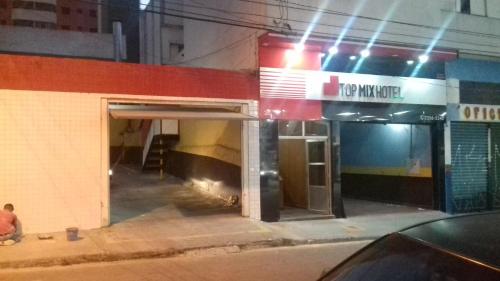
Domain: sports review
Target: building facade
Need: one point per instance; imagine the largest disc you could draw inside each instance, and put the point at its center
(230, 42)
(50, 14)
(399, 38)
(327, 96)
(67, 28)
(472, 136)
(71, 105)
(364, 135)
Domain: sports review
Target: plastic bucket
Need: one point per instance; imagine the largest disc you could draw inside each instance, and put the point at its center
(72, 233)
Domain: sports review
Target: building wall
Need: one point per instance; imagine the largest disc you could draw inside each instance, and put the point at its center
(204, 44)
(474, 70)
(26, 40)
(223, 46)
(55, 153)
(220, 46)
(5, 12)
(51, 14)
(420, 14)
(39, 13)
(129, 134)
(216, 139)
(126, 12)
(77, 15)
(209, 156)
(379, 149)
(51, 155)
(472, 198)
(377, 163)
(123, 127)
(493, 9)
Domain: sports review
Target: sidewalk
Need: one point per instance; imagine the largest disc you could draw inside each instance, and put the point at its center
(149, 236)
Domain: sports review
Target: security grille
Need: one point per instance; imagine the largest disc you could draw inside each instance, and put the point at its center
(469, 159)
(495, 167)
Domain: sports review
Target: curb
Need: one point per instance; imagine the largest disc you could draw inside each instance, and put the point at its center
(172, 252)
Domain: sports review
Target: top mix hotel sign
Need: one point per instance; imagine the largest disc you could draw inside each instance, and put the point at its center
(350, 87)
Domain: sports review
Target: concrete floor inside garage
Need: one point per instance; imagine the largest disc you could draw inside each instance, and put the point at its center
(138, 196)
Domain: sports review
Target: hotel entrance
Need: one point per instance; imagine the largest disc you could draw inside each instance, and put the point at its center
(304, 170)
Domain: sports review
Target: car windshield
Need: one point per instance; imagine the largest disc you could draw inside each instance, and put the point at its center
(398, 257)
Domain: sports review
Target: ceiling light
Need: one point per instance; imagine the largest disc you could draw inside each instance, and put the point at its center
(333, 50)
(410, 62)
(381, 119)
(397, 127)
(293, 57)
(423, 58)
(346, 114)
(299, 47)
(353, 57)
(365, 53)
(401, 112)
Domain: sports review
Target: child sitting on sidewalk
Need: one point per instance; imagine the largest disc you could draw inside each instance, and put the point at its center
(8, 222)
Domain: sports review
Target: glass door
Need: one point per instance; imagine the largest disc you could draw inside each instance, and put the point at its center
(318, 180)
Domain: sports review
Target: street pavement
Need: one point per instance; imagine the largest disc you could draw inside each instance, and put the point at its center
(285, 263)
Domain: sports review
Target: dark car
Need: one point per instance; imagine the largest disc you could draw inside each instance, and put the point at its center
(451, 249)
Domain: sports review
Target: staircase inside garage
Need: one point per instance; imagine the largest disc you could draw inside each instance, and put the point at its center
(162, 135)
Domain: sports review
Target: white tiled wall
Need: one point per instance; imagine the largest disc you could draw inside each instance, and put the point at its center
(50, 159)
(254, 163)
(53, 159)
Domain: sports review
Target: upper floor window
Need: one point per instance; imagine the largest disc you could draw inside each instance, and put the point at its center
(23, 23)
(34, 6)
(465, 6)
(23, 4)
(65, 10)
(47, 25)
(45, 7)
(80, 11)
(38, 24)
(93, 13)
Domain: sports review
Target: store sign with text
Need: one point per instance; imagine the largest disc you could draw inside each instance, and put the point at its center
(479, 113)
(335, 86)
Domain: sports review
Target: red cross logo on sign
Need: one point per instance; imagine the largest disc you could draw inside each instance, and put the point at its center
(331, 88)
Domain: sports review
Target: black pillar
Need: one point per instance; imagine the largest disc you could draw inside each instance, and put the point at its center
(269, 171)
(337, 201)
(438, 166)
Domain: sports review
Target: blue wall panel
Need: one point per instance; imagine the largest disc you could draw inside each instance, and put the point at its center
(379, 145)
(473, 70)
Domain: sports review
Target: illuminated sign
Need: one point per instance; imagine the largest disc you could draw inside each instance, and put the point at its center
(479, 113)
(352, 87)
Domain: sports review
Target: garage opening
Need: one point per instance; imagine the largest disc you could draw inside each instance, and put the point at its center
(304, 168)
(386, 168)
(175, 161)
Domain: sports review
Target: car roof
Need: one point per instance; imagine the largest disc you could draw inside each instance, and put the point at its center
(475, 237)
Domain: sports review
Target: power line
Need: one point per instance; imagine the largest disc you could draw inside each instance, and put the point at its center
(231, 45)
(326, 24)
(264, 27)
(310, 8)
(205, 17)
(329, 25)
